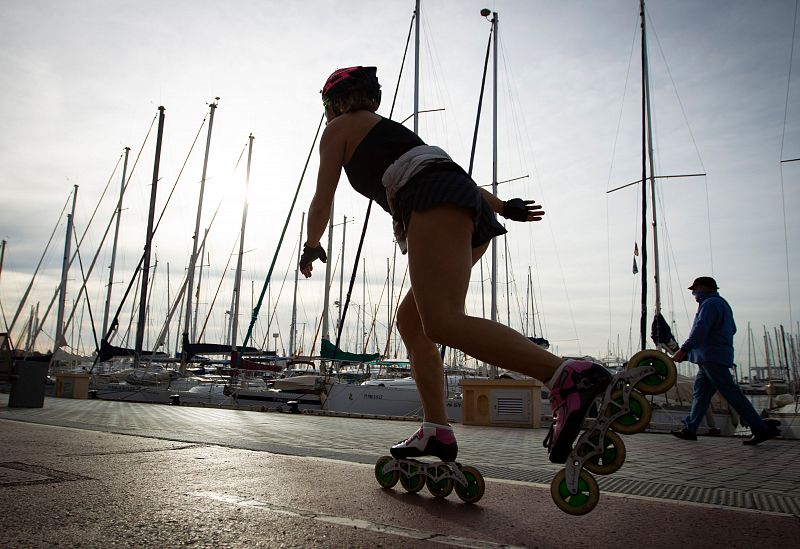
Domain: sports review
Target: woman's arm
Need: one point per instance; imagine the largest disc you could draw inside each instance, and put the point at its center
(515, 209)
(494, 202)
(331, 157)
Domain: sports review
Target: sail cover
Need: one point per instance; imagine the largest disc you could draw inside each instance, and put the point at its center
(332, 352)
(662, 335)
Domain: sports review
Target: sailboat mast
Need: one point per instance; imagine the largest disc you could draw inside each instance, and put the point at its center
(326, 334)
(148, 340)
(64, 268)
(199, 282)
(749, 353)
(391, 298)
(766, 353)
(416, 67)
(364, 308)
(388, 306)
(649, 125)
(148, 243)
(785, 354)
(169, 300)
(29, 327)
(238, 281)
(293, 327)
(341, 280)
(116, 239)
(493, 281)
(643, 319)
(529, 305)
(190, 275)
(2, 257)
(508, 284)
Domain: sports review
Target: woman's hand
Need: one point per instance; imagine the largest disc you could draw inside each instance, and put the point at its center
(309, 255)
(517, 209)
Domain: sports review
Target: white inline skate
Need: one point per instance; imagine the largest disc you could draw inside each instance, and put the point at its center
(440, 476)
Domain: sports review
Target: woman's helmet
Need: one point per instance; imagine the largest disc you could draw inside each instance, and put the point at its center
(345, 81)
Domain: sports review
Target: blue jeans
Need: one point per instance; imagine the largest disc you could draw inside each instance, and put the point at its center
(716, 377)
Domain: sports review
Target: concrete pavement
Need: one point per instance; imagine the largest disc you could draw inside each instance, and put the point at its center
(104, 474)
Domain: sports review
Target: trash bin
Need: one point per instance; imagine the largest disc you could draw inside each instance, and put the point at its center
(28, 380)
(72, 385)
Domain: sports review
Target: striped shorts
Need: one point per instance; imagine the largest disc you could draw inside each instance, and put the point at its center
(449, 184)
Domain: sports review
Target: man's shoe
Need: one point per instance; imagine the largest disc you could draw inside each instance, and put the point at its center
(762, 436)
(684, 434)
(713, 432)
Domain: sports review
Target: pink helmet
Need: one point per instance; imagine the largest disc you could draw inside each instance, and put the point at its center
(343, 81)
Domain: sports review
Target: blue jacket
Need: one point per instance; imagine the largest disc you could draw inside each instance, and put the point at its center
(711, 337)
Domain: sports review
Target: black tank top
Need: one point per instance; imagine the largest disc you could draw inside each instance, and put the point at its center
(384, 143)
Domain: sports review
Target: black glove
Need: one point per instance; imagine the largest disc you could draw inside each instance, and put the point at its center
(516, 209)
(310, 254)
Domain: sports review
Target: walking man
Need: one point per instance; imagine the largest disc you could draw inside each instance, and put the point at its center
(710, 346)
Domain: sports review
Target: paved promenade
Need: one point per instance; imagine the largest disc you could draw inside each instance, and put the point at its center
(94, 473)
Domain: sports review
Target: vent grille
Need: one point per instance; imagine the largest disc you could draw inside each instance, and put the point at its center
(510, 406)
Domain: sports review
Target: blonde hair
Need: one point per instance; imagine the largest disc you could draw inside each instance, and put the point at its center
(357, 100)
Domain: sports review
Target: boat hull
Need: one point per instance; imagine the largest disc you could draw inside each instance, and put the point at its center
(376, 400)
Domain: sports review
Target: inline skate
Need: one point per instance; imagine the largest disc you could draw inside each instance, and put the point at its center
(620, 408)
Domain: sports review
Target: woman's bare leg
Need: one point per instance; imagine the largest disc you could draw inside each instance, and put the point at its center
(440, 261)
(426, 362)
(425, 357)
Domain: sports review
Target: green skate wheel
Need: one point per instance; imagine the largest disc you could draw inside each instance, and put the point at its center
(412, 484)
(439, 489)
(475, 485)
(610, 460)
(575, 504)
(664, 377)
(636, 419)
(386, 480)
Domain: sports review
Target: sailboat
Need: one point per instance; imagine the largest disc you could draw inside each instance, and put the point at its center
(671, 407)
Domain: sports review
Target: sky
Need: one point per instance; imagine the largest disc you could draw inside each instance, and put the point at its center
(83, 80)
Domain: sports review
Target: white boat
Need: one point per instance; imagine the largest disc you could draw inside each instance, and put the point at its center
(308, 383)
(670, 409)
(788, 414)
(397, 399)
(399, 383)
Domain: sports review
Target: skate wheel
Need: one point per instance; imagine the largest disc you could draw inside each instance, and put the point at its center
(412, 484)
(475, 485)
(575, 504)
(386, 480)
(441, 488)
(610, 460)
(664, 377)
(636, 419)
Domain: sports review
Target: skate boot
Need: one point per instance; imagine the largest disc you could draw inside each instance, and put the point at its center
(429, 440)
(621, 408)
(441, 476)
(571, 396)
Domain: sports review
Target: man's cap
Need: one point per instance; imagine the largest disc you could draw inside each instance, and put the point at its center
(704, 281)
